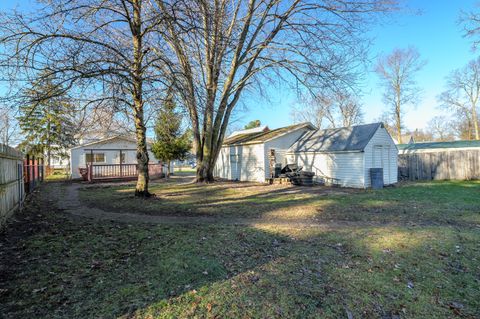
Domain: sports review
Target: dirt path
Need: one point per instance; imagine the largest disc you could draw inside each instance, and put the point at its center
(67, 199)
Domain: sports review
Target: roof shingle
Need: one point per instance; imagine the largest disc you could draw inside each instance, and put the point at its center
(343, 139)
(261, 137)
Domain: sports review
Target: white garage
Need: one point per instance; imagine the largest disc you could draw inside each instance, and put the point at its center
(345, 155)
(245, 155)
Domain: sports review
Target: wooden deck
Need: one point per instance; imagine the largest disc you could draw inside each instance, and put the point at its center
(104, 172)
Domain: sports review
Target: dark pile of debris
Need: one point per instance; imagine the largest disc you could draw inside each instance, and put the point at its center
(296, 175)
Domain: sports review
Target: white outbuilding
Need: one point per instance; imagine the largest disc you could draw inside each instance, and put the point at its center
(345, 155)
(244, 155)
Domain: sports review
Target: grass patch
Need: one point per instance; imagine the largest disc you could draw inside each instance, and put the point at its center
(56, 266)
(427, 202)
(58, 175)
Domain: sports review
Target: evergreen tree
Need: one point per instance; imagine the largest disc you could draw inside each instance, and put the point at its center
(45, 120)
(253, 124)
(172, 143)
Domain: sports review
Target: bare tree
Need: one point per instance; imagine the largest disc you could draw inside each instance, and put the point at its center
(389, 122)
(397, 72)
(470, 21)
(8, 125)
(441, 128)
(316, 111)
(330, 111)
(419, 135)
(225, 48)
(462, 127)
(350, 110)
(100, 50)
(463, 93)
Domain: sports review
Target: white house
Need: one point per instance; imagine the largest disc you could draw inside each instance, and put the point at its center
(106, 151)
(345, 155)
(244, 155)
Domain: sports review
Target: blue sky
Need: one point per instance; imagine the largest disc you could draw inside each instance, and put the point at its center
(435, 33)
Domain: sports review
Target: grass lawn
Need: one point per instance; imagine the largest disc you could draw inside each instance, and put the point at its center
(56, 266)
(426, 202)
(58, 175)
(184, 169)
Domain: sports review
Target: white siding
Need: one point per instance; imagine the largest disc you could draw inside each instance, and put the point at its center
(381, 143)
(112, 155)
(241, 162)
(250, 162)
(346, 167)
(222, 166)
(281, 145)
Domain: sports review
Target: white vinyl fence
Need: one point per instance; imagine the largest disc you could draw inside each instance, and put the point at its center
(11, 182)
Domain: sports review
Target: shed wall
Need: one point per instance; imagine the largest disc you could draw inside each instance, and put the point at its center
(381, 142)
(281, 145)
(223, 167)
(346, 167)
(241, 162)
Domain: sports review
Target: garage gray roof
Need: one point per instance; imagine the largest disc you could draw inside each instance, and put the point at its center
(343, 139)
(261, 137)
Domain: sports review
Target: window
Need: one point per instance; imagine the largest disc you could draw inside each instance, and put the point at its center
(97, 158)
(122, 158)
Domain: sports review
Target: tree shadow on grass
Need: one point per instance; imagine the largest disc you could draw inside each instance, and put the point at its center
(373, 273)
(54, 266)
(424, 202)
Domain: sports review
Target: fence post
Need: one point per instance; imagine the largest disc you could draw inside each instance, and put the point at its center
(42, 169)
(121, 172)
(27, 174)
(89, 172)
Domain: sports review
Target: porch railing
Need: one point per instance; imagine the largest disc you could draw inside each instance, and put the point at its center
(112, 171)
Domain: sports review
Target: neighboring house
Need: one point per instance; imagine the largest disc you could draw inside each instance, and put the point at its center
(58, 160)
(406, 139)
(106, 151)
(250, 131)
(345, 155)
(244, 155)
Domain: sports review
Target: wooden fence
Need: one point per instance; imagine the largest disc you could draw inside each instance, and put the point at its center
(33, 169)
(440, 165)
(11, 182)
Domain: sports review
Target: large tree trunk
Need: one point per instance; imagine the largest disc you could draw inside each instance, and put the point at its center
(205, 170)
(398, 119)
(141, 189)
(475, 122)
